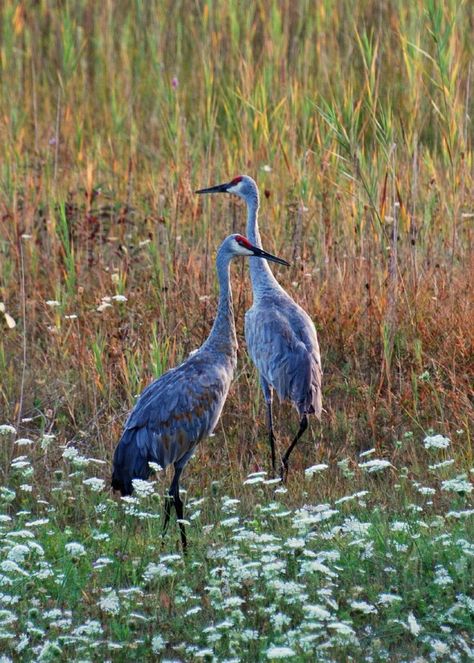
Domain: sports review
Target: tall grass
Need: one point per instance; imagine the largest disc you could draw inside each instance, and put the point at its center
(356, 122)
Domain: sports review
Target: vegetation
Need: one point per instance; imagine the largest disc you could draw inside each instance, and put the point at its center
(356, 121)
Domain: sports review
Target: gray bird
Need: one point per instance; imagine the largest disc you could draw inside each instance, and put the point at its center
(281, 337)
(183, 406)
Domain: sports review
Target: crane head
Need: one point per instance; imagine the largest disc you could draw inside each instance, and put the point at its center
(242, 186)
(240, 245)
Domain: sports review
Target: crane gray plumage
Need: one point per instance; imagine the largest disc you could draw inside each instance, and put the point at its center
(280, 335)
(176, 411)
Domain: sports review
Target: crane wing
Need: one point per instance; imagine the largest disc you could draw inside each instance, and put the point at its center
(283, 345)
(171, 416)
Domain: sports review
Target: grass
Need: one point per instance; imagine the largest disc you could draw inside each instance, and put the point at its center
(356, 122)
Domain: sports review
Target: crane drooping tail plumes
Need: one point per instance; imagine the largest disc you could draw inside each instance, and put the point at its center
(182, 407)
(281, 337)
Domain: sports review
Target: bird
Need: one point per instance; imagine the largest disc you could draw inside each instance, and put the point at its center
(281, 337)
(182, 407)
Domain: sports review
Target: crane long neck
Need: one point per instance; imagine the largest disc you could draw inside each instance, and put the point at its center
(223, 337)
(260, 272)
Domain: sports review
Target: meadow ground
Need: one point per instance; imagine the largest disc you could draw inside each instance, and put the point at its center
(355, 119)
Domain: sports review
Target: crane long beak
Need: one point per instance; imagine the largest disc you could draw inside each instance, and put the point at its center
(260, 253)
(218, 188)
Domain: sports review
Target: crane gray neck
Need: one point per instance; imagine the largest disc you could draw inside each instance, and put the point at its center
(223, 338)
(260, 272)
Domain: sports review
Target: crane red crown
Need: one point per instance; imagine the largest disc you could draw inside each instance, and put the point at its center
(236, 180)
(243, 241)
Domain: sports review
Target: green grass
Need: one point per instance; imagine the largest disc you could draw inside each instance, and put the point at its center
(86, 577)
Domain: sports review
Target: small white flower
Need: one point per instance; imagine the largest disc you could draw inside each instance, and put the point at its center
(95, 484)
(120, 298)
(315, 468)
(18, 553)
(442, 464)
(103, 306)
(52, 303)
(275, 652)
(75, 549)
(388, 599)
(143, 488)
(24, 442)
(369, 452)
(439, 648)
(375, 465)
(459, 484)
(413, 625)
(317, 612)
(110, 603)
(436, 442)
(157, 644)
(6, 429)
(364, 607)
(266, 168)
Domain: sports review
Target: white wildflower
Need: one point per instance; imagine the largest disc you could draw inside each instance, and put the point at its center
(459, 484)
(6, 429)
(275, 652)
(375, 465)
(355, 496)
(439, 648)
(110, 603)
(18, 553)
(413, 625)
(436, 442)
(157, 644)
(363, 606)
(75, 549)
(95, 484)
(388, 599)
(294, 544)
(315, 468)
(143, 488)
(442, 577)
(341, 628)
(369, 452)
(24, 442)
(442, 464)
(53, 303)
(317, 612)
(119, 298)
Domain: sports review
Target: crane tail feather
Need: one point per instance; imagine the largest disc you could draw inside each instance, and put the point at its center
(130, 461)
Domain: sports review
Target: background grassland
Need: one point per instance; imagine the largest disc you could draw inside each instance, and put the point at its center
(356, 120)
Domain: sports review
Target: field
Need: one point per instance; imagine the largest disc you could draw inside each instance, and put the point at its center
(356, 121)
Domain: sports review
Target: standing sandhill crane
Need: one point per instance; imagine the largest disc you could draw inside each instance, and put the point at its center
(281, 337)
(183, 406)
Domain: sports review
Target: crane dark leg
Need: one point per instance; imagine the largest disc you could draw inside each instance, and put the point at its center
(174, 498)
(178, 504)
(267, 392)
(284, 460)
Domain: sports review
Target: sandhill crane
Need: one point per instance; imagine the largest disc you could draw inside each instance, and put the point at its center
(182, 407)
(281, 337)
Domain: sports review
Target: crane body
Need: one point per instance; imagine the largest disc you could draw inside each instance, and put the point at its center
(281, 337)
(182, 407)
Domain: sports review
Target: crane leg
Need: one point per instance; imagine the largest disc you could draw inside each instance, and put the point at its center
(178, 505)
(284, 460)
(267, 393)
(174, 498)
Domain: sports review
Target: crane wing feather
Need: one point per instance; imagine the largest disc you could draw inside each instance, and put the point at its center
(171, 416)
(283, 345)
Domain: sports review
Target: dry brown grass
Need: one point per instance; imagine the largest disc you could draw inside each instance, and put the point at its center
(102, 154)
